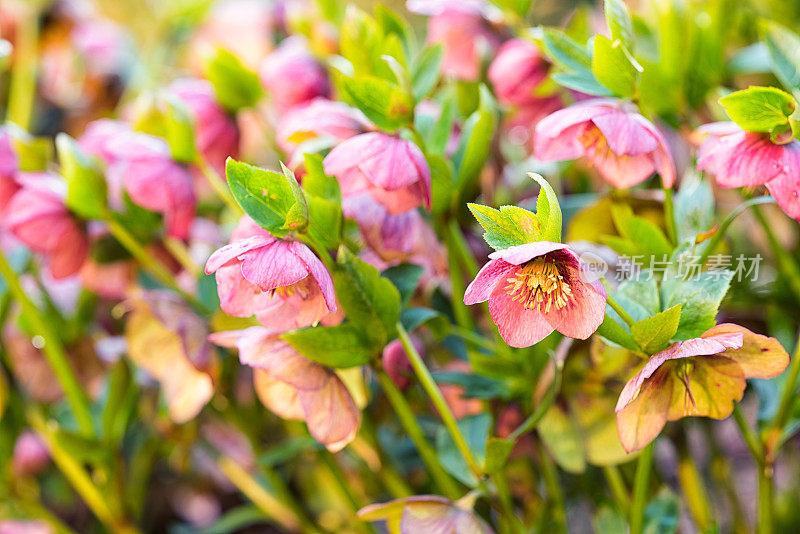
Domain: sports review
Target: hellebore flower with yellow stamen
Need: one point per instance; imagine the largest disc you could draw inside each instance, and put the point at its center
(427, 513)
(621, 144)
(536, 288)
(703, 377)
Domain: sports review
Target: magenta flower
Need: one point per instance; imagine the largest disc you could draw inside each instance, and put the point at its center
(216, 132)
(460, 27)
(536, 288)
(427, 513)
(702, 377)
(30, 455)
(38, 216)
(319, 118)
(292, 75)
(395, 361)
(517, 70)
(8, 168)
(622, 145)
(392, 170)
(745, 159)
(294, 387)
(282, 282)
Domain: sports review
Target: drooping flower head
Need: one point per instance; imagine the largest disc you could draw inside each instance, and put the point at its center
(296, 388)
(392, 170)
(319, 118)
(703, 377)
(38, 216)
(427, 513)
(536, 288)
(282, 282)
(621, 144)
(292, 75)
(738, 158)
(517, 70)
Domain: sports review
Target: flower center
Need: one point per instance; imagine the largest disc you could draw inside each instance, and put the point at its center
(539, 286)
(301, 288)
(594, 142)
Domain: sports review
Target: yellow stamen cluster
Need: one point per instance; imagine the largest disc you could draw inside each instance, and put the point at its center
(539, 286)
(302, 288)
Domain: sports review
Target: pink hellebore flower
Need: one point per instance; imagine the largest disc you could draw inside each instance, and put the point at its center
(143, 165)
(395, 361)
(745, 159)
(625, 147)
(427, 513)
(282, 282)
(8, 168)
(216, 132)
(30, 455)
(292, 75)
(319, 118)
(38, 216)
(703, 376)
(517, 70)
(460, 27)
(294, 387)
(392, 170)
(536, 288)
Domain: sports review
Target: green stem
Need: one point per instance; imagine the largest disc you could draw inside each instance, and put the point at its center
(430, 387)
(765, 498)
(53, 349)
(640, 486)
(789, 395)
(22, 90)
(460, 310)
(217, 184)
(345, 490)
(694, 492)
(409, 422)
(669, 215)
(550, 473)
(723, 228)
(74, 472)
(786, 263)
(749, 437)
(615, 305)
(150, 263)
(618, 489)
(533, 419)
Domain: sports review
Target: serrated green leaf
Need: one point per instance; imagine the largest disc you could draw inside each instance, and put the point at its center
(613, 67)
(264, 195)
(297, 217)
(338, 346)
(385, 104)
(548, 211)
(653, 334)
(759, 109)
(505, 227)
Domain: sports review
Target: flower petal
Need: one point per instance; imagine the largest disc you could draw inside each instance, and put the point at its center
(318, 271)
(519, 254)
(584, 312)
(231, 253)
(758, 356)
(709, 389)
(518, 326)
(331, 413)
(273, 266)
(494, 272)
(641, 420)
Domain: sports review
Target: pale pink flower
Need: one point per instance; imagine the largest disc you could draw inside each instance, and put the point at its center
(292, 75)
(319, 118)
(24, 527)
(517, 70)
(216, 132)
(9, 165)
(427, 513)
(392, 170)
(395, 361)
(621, 144)
(536, 288)
(463, 32)
(38, 216)
(703, 376)
(294, 387)
(745, 159)
(30, 455)
(282, 282)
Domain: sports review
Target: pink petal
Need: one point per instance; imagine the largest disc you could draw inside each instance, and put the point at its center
(231, 253)
(744, 159)
(518, 326)
(331, 413)
(237, 296)
(273, 266)
(494, 272)
(785, 189)
(318, 271)
(625, 135)
(519, 254)
(279, 397)
(584, 312)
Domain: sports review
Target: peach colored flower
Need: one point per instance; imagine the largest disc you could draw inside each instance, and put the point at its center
(427, 513)
(536, 288)
(622, 145)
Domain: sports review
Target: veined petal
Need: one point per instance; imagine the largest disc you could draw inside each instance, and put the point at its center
(518, 326)
(494, 272)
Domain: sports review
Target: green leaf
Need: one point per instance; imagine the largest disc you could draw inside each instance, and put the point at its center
(653, 334)
(662, 514)
(548, 211)
(385, 104)
(506, 227)
(585, 82)
(33, 153)
(264, 195)
(297, 217)
(497, 452)
(475, 430)
(405, 278)
(641, 290)
(565, 51)
(179, 129)
(338, 346)
(694, 206)
(412, 318)
(235, 85)
(316, 183)
(614, 67)
(619, 22)
(442, 130)
(784, 52)
(425, 75)
(476, 137)
(759, 109)
(324, 222)
(640, 236)
(611, 330)
(561, 436)
(475, 386)
(86, 185)
(370, 301)
(441, 183)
